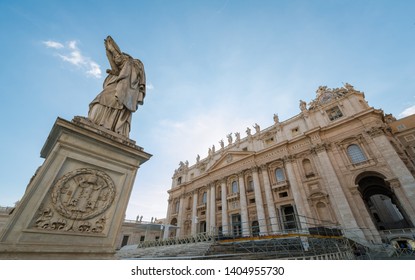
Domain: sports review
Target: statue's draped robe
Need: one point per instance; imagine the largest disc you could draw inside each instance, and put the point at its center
(122, 94)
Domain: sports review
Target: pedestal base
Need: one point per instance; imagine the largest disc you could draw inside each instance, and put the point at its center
(74, 206)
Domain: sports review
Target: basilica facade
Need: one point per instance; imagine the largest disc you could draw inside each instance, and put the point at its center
(335, 165)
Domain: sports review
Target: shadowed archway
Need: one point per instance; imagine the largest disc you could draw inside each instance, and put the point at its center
(381, 202)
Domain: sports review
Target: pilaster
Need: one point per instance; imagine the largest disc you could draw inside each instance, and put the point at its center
(244, 206)
(270, 201)
(259, 203)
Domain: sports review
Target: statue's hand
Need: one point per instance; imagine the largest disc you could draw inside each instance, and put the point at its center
(112, 72)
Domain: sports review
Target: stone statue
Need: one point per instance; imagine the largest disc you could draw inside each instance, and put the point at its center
(230, 140)
(349, 87)
(257, 128)
(248, 131)
(123, 90)
(276, 118)
(222, 144)
(303, 105)
(238, 136)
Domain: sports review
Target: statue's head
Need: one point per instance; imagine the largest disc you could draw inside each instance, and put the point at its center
(112, 46)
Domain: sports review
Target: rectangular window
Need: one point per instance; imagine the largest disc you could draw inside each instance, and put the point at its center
(295, 131)
(401, 127)
(409, 138)
(283, 194)
(334, 113)
(124, 240)
(269, 141)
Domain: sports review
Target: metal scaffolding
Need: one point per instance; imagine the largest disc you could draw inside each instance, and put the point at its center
(298, 238)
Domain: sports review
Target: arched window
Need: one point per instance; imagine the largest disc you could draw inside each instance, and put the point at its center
(355, 153)
(234, 187)
(279, 175)
(204, 197)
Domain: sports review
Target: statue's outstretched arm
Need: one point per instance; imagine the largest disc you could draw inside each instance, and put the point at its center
(112, 50)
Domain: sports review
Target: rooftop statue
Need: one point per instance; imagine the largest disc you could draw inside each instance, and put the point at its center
(123, 90)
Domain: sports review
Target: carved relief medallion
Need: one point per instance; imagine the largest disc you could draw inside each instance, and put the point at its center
(83, 194)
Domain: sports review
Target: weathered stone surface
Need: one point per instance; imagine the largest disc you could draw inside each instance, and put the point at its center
(74, 206)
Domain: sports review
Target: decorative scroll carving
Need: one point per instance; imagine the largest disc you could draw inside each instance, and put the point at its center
(375, 131)
(289, 158)
(77, 203)
(326, 95)
(83, 194)
(319, 148)
(394, 183)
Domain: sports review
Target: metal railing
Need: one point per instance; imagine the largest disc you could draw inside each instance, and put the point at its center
(200, 237)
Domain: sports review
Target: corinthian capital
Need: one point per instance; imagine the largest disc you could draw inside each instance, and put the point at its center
(375, 131)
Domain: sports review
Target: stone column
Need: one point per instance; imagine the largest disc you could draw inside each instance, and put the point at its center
(295, 190)
(180, 222)
(259, 203)
(168, 220)
(207, 215)
(243, 205)
(396, 165)
(370, 229)
(212, 209)
(343, 211)
(225, 216)
(195, 219)
(270, 200)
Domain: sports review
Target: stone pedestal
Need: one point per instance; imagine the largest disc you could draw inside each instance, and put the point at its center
(74, 206)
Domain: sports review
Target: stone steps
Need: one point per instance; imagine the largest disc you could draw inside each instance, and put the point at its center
(184, 251)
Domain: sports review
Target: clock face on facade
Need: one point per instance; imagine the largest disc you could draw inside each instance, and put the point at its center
(326, 97)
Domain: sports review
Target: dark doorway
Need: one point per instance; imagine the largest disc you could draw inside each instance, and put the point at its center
(288, 217)
(202, 226)
(236, 225)
(255, 228)
(125, 240)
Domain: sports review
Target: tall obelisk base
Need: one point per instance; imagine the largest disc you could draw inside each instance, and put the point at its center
(74, 206)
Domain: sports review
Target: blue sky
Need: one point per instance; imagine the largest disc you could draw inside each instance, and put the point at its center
(212, 67)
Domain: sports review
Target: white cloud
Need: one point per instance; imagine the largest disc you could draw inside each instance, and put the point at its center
(407, 112)
(94, 70)
(197, 134)
(73, 55)
(53, 44)
(150, 86)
